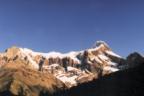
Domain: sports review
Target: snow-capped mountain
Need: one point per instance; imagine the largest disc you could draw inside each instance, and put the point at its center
(24, 72)
(71, 68)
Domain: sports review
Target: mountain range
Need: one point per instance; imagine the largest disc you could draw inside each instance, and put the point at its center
(24, 72)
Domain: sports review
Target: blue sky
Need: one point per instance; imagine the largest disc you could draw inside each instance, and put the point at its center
(65, 25)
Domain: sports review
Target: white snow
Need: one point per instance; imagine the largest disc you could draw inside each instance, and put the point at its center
(103, 57)
(26, 52)
(100, 42)
(71, 68)
(54, 65)
(112, 53)
(50, 66)
(96, 48)
(108, 68)
(97, 59)
(65, 79)
(72, 55)
(78, 71)
(52, 54)
(112, 63)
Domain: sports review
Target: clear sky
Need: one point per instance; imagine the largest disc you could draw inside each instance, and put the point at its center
(65, 25)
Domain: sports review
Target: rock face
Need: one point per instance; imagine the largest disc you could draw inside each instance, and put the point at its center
(128, 82)
(16, 79)
(12, 53)
(72, 68)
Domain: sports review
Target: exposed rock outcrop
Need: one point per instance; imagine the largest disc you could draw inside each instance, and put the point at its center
(17, 79)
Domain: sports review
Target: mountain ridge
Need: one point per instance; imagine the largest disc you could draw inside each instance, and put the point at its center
(70, 69)
(89, 63)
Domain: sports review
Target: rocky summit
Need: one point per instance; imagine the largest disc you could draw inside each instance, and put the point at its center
(24, 72)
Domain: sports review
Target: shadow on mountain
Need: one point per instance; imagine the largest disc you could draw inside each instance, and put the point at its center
(6, 93)
(128, 82)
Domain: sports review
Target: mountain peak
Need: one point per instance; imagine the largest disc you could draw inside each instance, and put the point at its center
(12, 48)
(100, 43)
